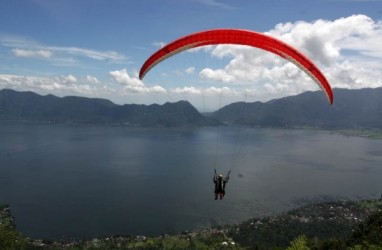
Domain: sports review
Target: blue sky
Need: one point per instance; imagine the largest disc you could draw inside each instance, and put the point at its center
(95, 48)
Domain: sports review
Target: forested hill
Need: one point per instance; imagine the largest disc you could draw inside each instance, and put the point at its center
(320, 226)
(356, 109)
(351, 109)
(31, 107)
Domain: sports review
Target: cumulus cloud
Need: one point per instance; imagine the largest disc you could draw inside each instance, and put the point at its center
(186, 90)
(323, 40)
(69, 79)
(347, 50)
(121, 76)
(60, 85)
(133, 84)
(92, 79)
(217, 75)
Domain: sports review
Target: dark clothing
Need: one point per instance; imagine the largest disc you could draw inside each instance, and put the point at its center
(220, 186)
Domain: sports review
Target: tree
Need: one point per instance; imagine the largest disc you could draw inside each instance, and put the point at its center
(10, 239)
(369, 232)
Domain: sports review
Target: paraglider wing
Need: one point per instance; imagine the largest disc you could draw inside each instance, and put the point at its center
(240, 37)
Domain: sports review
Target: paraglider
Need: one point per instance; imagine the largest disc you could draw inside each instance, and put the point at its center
(220, 183)
(240, 37)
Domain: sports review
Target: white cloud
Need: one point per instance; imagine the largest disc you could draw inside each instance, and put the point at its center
(190, 70)
(61, 85)
(157, 89)
(93, 54)
(133, 84)
(69, 79)
(219, 75)
(32, 53)
(214, 3)
(323, 40)
(220, 91)
(92, 79)
(347, 50)
(186, 90)
(210, 91)
(121, 76)
(23, 47)
(159, 44)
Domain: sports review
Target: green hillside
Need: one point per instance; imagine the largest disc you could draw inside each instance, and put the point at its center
(328, 225)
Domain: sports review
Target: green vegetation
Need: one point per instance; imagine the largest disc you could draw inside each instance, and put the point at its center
(371, 204)
(367, 235)
(10, 239)
(369, 232)
(329, 225)
(300, 243)
(205, 239)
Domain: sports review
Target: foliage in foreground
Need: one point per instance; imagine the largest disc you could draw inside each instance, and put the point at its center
(10, 239)
(300, 243)
(365, 235)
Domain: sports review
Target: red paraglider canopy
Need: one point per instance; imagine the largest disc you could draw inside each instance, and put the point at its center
(240, 37)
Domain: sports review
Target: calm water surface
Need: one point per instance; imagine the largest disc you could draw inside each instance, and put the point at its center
(71, 181)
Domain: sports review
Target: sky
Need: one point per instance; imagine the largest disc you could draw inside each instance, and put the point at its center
(95, 48)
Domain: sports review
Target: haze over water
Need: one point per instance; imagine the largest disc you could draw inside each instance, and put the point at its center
(74, 181)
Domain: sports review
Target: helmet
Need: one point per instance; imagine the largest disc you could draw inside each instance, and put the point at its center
(220, 176)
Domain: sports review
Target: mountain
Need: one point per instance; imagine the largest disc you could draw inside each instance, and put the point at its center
(351, 109)
(31, 107)
(354, 109)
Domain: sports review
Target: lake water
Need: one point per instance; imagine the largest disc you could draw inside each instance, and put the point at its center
(73, 181)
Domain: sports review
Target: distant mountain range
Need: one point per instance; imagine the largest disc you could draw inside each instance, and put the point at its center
(351, 109)
(31, 107)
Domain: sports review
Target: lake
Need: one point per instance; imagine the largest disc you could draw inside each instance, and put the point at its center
(77, 181)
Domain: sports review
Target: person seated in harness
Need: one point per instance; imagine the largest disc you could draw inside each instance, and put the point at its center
(220, 183)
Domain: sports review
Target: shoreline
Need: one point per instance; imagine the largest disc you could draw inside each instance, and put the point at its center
(342, 215)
